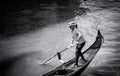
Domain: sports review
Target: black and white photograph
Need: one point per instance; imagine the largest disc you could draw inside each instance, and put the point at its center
(60, 38)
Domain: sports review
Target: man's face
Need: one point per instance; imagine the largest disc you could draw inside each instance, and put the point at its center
(72, 27)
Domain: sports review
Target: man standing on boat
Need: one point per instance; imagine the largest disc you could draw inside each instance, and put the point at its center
(79, 39)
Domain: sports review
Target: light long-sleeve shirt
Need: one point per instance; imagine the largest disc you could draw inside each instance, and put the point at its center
(77, 36)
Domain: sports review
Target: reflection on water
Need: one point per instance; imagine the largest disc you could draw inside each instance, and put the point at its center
(106, 63)
(30, 30)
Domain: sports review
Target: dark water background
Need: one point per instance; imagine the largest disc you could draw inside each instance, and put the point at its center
(32, 31)
(24, 16)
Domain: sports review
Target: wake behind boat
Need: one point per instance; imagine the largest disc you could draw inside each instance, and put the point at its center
(68, 69)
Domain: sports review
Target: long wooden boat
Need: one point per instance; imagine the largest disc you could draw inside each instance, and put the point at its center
(68, 69)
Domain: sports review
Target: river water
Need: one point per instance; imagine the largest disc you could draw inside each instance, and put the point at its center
(22, 53)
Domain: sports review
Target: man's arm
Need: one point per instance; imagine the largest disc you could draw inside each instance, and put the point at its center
(71, 44)
(72, 41)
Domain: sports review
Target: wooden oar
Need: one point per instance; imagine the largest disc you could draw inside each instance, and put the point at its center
(57, 54)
